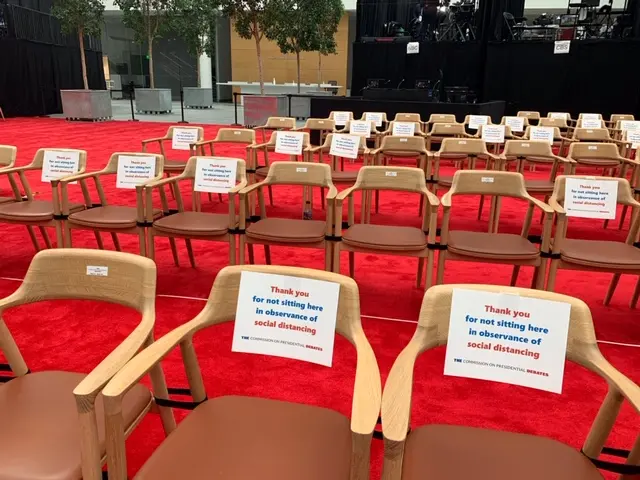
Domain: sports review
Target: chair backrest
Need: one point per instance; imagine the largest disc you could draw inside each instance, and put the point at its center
(557, 135)
(579, 150)
(173, 127)
(553, 122)
(372, 126)
(8, 155)
(447, 129)
(408, 117)
(507, 130)
(281, 122)
(329, 138)
(565, 115)
(405, 179)
(306, 139)
(529, 114)
(468, 146)
(442, 118)
(332, 115)
(590, 123)
(38, 158)
(192, 164)
(417, 129)
(616, 117)
(112, 164)
(382, 114)
(467, 119)
(319, 124)
(236, 135)
(527, 148)
(488, 182)
(582, 116)
(299, 173)
(403, 144)
(591, 134)
(625, 192)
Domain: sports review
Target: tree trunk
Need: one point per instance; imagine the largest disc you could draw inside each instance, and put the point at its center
(260, 69)
(152, 80)
(298, 68)
(319, 70)
(198, 68)
(83, 60)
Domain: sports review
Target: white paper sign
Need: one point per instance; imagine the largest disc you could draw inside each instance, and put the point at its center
(493, 133)
(183, 138)
(561, 46)
(97, 271)
(476, 120)
(375, 117)
(57, 164)
(286, 316)
(507, 338)
(561, 115)
(590, 198)
(341, 118)
(629, 125)
(134, 171)
(406, 129)
(515, 123)
(360, 127)
(215, 175)
(591, 123)
(413, 48)
(590, 116)
(633, 137)
(289, 143)
(542, 133)
(343, 145)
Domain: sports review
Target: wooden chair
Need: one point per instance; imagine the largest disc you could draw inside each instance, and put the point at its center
(374, 134)
(601, 155)
(435, 118)
(365, 237)
(229, 136)
(332, 116)
(289, 232)
(39, 213)
(276, 123)
(450, 452)
(252, 437)
(8, 155)
(496, 147)
(533, 117)
(46, 433)
(494, 247)
(383, 115)
(467, 122)
(338, 173)
(173, 166)
(560, 123)
(195, 224)
(560, 141)
(525, 123)
(418, 131)
(596, 255)
(110, 218)
(591, 135)
(408, 117)
(320, 127)
(440, 131)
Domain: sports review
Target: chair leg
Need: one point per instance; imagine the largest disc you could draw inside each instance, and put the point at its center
(328, 256)
(45, 236)
(251, 255)
(219, 198)
(336, 257)
(142, 237)
(420, 272)
(622, 217)
(421, 206)
(232, 249)
(116, 241)
(192, 259)
(174, 251)
(241, 250)
(322, 197)
(352, 264)
(99, 240)
(151, 250)
(377, 201)
(514, 275)
(59, 237)
(270, 189)
(68, 240)
(267, 254)
(440, 276)
(636, 294)
(34, 239)
(553, 270)
(480, 207)
(612, 288)
(429, 275)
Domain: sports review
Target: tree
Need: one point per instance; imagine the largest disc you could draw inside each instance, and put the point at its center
(196, 26)
(83, 17)
(149, 19)
(303, 26)
(250, 21)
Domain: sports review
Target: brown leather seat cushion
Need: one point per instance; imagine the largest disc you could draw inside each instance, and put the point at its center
(6, 199)
(248, 438)
(262, 171)
(539, 185)
(385, 237)
(33, 211)
(446, 180)
(109, 216)
(287, 230)
(40, 434)
(399, 153)
(597, 162)
(339, 176)
(502, 246)
(193, 223)
(446, 452)
(174, 166)
(600, 254)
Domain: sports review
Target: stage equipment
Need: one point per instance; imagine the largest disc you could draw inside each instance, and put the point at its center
(459, 27)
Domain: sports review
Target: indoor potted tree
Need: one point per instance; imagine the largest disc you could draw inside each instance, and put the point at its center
(196, 26)
(149, 20)
(82, 17)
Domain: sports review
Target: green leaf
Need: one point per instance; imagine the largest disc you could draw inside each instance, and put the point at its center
(75, 15)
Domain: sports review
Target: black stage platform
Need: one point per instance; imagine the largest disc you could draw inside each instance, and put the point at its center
(322, 106)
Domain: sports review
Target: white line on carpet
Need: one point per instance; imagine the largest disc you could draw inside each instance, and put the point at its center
(401, 320)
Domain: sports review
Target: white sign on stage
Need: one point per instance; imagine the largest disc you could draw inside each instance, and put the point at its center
(343, 145)
(134, 170)
(507, 338)
(403, 129)
(493, 133)
(542, 133)
(515, 123)
(562, 115)
(590, 198)
(413, 48)
(633, 137)
(289, 143)
(183, 138)
(375, 117)
(341, 118)
(286, 316)
(476, 120)
(215, 175)
(591, 123)
(561, 46)
(360, 127)
(629, 125)
(57, 164)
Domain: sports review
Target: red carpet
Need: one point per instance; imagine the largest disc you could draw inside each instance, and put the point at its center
(76, 335)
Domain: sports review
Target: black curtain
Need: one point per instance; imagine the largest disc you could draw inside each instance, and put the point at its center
(34, 73)
(371, 15)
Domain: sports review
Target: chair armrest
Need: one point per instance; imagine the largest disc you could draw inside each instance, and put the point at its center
(557, 208)
(239, 187)
(630, 161)
(375, 151)
(345, 193)
(445, 201)
(255, 146)
(164, 181)
(24, 168)
(151, 140)
(245, 191)
(367, 396)
(76, 177)
(203, 142)
(315, 149)
(540, 204)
